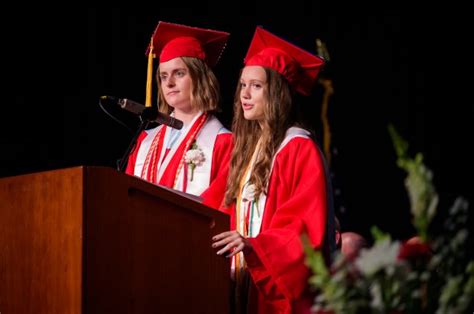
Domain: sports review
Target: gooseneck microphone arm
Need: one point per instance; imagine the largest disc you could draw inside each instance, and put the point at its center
(122, 162)
(147, 115)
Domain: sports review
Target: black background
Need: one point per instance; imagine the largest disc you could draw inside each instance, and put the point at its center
(390, 63)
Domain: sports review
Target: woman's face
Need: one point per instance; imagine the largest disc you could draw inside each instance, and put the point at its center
(176, 84)
(253, 82)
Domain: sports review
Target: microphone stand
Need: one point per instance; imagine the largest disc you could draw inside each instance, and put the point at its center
(148, 115)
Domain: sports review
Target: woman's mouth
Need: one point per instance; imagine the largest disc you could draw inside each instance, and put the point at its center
(247, 106)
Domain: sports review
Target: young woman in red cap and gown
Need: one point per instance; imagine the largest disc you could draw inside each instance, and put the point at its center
(189, 159)
(277, 186)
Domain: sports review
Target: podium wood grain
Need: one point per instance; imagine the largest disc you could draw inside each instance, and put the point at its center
(93, 240)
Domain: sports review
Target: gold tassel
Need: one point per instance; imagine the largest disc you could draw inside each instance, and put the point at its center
(328, 91)
(149, 76)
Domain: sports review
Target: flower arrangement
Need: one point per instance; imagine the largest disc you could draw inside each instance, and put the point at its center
(194, 157)
(427, 274)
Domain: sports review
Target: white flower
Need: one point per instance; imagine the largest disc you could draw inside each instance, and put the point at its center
(248, 193)
(382, 255)
(194, 156)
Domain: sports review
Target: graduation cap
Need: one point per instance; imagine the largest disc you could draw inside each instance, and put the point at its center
(298, 66)
(170, 40)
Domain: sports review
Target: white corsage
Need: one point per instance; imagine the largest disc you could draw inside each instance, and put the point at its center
(194, 157)
(249, 197)
(248, 193)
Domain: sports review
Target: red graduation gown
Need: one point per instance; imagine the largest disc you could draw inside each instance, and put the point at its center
(296, 204)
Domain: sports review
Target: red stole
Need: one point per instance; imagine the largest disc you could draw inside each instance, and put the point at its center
(152, 162)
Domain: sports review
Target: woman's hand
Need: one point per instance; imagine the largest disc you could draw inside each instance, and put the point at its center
(232, 242)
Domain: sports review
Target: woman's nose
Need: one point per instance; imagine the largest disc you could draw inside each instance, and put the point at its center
(244, 93)
(170, 81)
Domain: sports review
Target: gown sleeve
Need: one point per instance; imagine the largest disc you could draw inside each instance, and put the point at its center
(132, 158)
(213, 196)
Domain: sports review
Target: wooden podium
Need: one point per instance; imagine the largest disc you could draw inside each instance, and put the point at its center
(94, 240)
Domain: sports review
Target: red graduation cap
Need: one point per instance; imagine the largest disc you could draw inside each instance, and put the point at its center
(172, 40)
(297, 65)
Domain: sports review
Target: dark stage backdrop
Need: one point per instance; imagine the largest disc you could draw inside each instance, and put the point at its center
(390, 63)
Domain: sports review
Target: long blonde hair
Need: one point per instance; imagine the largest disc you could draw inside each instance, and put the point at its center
(205, 94)
(277, 119)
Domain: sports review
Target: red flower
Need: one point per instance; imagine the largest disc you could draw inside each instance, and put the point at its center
(414, 250)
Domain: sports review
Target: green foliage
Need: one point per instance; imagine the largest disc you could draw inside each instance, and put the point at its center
(378, 234)
(422, 193)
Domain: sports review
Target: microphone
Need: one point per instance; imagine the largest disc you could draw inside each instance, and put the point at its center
(152, 115)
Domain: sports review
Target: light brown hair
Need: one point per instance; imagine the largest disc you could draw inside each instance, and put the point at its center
(277, 119)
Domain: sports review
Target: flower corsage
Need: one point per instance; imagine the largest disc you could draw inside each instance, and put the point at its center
(248, 193)
(194, 157)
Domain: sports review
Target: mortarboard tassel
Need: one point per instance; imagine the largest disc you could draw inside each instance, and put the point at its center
(149, 77)
(328, 91)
